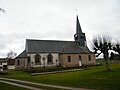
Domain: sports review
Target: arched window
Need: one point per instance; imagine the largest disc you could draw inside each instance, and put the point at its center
(37, 59)
(69, 58)
(79, 57)
(18, 62)
(89, 57)
(49, 58)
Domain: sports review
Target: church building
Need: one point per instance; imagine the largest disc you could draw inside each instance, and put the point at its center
(45, 53)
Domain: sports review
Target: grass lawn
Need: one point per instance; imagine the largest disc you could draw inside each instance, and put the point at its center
(94, 77)
(4, 86)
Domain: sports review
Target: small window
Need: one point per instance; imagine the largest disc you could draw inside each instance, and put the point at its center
(0, 63)
(80, 57)
(76, 37)
(18, 62)
(82, 36)
(69, 58)
(89, 57)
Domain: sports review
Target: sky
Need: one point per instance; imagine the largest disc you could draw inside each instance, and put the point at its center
(55, 20)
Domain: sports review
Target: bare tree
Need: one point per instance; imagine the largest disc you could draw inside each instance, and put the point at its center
(11, 55)
(116, 48)
(102, 44)
(2, 10)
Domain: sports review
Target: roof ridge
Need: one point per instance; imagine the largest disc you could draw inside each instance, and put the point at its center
(48, 40)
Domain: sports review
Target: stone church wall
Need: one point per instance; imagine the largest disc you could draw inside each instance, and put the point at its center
(75, 60)
(20, 63)
(86, 61)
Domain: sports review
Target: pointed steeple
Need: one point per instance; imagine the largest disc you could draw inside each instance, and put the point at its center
(79, 36)
(78, 27)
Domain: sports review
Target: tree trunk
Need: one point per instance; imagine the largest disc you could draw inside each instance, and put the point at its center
(106, 57)
(107, 64)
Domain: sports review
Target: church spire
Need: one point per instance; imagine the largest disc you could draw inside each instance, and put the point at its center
(78, 27)
(79, 36)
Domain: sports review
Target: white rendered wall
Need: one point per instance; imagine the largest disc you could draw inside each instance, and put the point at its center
(3, 63)
(44, 55)
(11, 66)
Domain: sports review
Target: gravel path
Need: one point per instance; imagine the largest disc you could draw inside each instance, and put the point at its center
(20, 85)
(45, 85)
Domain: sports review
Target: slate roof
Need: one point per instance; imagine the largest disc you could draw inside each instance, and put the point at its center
(52, 46)
(22, 55)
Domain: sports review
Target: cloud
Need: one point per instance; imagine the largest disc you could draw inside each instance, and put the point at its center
(3, 41)
(55, 19)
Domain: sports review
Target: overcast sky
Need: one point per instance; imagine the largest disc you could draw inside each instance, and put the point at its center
(55, 20)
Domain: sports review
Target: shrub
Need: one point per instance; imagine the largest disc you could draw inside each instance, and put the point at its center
(3, 73)
(48, 69)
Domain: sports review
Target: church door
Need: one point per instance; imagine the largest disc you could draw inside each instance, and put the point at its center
(80, 59)
(80, 64)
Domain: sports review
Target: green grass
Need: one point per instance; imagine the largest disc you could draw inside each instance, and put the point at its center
(94, 77)
(4, 86)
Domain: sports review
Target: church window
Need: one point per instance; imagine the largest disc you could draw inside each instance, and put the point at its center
(28, 59)
(89, 57)
(49, 58)
(76, 37)
(18, 62)
(37, 59)
(69, 58)
(79, 57)
(81, 37)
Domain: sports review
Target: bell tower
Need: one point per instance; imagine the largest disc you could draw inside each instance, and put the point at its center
(79, 36)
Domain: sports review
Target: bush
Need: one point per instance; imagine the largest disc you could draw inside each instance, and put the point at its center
(48, 69)
(3, 73)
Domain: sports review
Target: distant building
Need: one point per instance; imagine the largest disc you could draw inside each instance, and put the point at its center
(11, 64)
(114, 56)
(44, 53)
(6, 63)
(3, 64)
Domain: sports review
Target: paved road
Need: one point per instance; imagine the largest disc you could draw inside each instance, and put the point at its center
(45, 85)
